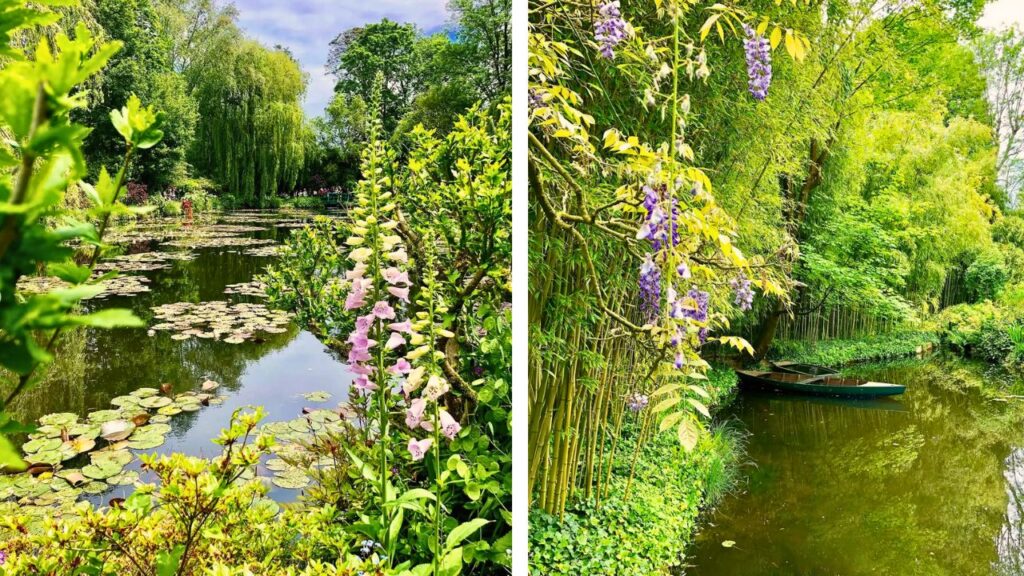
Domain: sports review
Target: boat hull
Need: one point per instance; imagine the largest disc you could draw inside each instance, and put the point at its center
(816, 386)
(807, 369)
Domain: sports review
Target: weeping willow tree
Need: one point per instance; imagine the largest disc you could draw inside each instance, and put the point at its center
(251, 135)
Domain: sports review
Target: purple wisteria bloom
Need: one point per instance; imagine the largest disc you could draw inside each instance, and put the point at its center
(610, 28)
(650, 287)
(700, 312)
(759, 63)
(637, 401)
(744, 293)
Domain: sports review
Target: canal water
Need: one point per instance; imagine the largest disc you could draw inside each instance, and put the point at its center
(929, 484)
(93, 367)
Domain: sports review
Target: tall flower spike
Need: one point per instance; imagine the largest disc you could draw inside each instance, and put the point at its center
(610, 28)
(759, 63)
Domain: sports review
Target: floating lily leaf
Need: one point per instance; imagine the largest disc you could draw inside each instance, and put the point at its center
(319, 396)
(126, 478)
(102, 470)
(121, 456)
(78, 445)
(145, 392)
(160, 419)
(294, 479)
(101, 416)
(209, 386)
(59, 419)
(169, 410)
(116, 430)
(95, 487)
(41, 445)
(73, 477)
(277, 465)
(155, 402)
(145, 442)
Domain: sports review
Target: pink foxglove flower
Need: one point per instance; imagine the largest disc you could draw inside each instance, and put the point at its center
(436, 387)
(395, 276)
(357, 272)
(364, 383)
(361, 369)
(400, 293)
(418, 448)
(383, 310)
(449, 427)
(402, 366)
(394, 341)
(414, 415)
(405, 326)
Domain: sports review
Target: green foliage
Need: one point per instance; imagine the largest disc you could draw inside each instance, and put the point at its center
(251, 139)
(986, 276)
(647, 531)
(307, 203)
(842, 352)
(42, 158)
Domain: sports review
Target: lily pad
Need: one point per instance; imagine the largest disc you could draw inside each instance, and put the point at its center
(102, 470)
(319, 396)
(95, 487)
(59, 419)
(171, 410)
(41, 445)
(126, 478)
(293, 479)
(116, 430)
(121, 456)
(155, 402)
(101, 416)
(209, 386)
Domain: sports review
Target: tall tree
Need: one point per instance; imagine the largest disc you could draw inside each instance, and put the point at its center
(1001, 55)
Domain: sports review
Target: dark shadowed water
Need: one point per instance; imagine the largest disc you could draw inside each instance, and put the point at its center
(94, 366)
(930, 484)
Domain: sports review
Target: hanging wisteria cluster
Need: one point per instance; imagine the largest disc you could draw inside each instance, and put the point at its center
(744, 293)
(610, 28)
(637, 401)
(759, 63)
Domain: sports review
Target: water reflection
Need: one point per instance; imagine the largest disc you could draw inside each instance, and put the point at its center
(915, 487)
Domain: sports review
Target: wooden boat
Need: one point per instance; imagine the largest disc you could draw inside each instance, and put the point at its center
(828, 385)
(806, 369)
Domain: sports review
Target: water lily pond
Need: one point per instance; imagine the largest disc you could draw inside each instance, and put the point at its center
(211, 346)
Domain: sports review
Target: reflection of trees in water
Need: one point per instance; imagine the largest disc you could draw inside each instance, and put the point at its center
(1011, 537)
(61, 388)
(839, 489)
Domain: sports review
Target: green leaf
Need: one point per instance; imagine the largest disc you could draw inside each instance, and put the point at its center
(70, 272)
(463, 531)
(451, 563)
(10, 459)
(110, 318)
(167, 562)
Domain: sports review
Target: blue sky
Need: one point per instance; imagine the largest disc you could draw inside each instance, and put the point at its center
(306, 27)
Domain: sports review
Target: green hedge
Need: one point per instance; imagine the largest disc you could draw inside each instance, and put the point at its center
(840, 352)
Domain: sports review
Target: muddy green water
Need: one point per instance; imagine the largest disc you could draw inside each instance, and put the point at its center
(94, 366)
(930, 484)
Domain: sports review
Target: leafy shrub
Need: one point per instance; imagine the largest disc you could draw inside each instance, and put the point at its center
(960, 327)
(137, 194)
(202, 201)
(986, 276)
(1009, 230)
(170, 208)
(230, 201)
(308, 202)
(840, 352)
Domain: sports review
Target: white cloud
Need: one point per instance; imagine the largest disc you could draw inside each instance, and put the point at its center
(306, 27)
(1003, 13)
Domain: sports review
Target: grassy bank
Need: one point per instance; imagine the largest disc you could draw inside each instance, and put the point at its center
(841, 352)
(646, 530)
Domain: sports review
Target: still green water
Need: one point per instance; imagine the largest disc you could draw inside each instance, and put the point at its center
(930, 484)
(273, 370)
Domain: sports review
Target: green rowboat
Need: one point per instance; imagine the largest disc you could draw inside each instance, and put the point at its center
(805, 369)
(828, 385)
